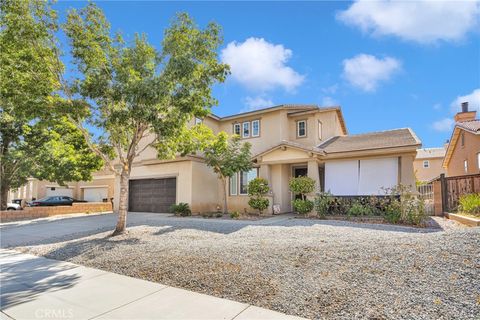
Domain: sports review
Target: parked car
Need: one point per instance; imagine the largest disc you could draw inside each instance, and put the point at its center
(14, 206)
(54, 201)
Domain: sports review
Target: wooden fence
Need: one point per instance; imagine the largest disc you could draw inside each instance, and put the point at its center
(448, 190)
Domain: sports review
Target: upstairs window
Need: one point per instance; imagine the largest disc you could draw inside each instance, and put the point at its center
(198, 120)
(255, 128)
(478, 160)
(246, 130)
(465, 166)
(236, 129)
(319, 130)
(301, 128)
(463, 139)
(426, 164)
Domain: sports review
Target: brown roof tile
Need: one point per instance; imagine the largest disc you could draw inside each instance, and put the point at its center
(374, 140)
(472, 125)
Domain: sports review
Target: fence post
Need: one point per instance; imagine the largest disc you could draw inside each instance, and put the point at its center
(443, 188)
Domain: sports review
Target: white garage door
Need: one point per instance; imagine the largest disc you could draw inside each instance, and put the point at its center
(361, 177)
(95, 194)
(59, 191)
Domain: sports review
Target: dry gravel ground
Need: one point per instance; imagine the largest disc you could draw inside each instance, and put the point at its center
(314, 269)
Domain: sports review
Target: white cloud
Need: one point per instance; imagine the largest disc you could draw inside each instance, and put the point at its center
(444, 125)
(331, 89)
(366, 71)
(422, 21)
(329, 101)
(260, 65)
(472, 98)
(256, 103)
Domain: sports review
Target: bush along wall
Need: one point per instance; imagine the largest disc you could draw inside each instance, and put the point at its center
(398, 205)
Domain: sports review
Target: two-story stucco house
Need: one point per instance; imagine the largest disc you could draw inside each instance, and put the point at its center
(287, 141)
(463, 151)
(428, 164)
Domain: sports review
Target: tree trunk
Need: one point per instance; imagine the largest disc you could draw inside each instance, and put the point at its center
(3, 196)
(123, 205)
(224, 182)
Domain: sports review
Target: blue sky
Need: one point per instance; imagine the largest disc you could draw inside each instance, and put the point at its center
(388, 65)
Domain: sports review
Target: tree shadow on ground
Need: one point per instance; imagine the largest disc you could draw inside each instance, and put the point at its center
(22, 280)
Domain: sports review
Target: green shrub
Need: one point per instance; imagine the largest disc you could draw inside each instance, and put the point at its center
(322, 203)
(358, 209)
(219, 215)
(405, 203)
(259, 203)
(470, 203)
(302, 206)
(302, 186)
(182, 209)
(393, 212)
(235, 215)
(257, 189)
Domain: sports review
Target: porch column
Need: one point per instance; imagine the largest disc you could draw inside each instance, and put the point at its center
(313, 173)
(264, 173)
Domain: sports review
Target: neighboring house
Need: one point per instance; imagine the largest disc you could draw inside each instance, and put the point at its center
(287, 141)
(463, 151)
(428, 163)
(98, 190)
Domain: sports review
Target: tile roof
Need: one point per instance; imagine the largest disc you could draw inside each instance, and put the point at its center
(374, 140)
(472, 125)
(427, 153)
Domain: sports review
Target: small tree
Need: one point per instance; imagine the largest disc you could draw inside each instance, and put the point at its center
(257, 189)
(302, 186)
(227, 156)
(129, 91)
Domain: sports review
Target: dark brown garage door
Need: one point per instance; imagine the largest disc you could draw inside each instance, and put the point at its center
(152, 195)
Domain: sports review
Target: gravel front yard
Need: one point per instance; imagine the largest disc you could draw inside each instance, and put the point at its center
(314, 269)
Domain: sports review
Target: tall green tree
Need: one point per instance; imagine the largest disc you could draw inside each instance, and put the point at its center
(35, 139)
(227, 156)
(134, 90)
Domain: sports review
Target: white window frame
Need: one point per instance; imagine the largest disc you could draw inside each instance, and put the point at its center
(426, 164)
(243, 129)
(465, 165)
(478, 160)
(258, 126)
(240, 177)
(233, 185)
(198, 120)
(237, 125)
(298, 128)
(320, 129)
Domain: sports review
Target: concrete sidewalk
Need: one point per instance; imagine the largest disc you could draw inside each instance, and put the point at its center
(38, 288)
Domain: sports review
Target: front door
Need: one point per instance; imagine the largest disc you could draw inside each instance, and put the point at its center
(299, 172)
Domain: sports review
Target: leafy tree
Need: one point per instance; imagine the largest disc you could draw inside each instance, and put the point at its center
(131, 90)
(257, 189)
(35, 139)
(227, 156)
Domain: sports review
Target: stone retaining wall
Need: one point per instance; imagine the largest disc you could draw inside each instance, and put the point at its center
(43, 212)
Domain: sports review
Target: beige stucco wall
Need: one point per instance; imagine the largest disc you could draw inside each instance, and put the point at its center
(207, 190)
(329, 122)
(467, 152)
(427, 174)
